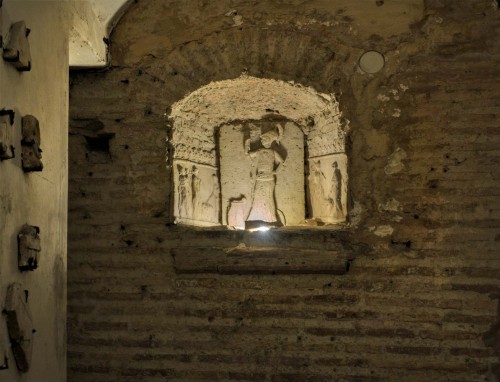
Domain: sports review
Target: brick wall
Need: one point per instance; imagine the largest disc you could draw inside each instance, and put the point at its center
(420, 301)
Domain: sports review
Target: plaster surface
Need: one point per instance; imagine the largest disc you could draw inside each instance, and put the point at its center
(40, 198)
(90, 27)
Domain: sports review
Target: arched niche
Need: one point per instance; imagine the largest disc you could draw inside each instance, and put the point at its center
(252, 153)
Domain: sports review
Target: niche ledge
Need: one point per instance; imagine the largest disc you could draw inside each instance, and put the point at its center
(270, 256)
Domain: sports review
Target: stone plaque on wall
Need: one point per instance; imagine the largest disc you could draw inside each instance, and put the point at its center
(262, 174)
(327, 188)
(17, 48)
(196, 194)
(6, 134)
(19, 325)
(28, 248)
(32, 153)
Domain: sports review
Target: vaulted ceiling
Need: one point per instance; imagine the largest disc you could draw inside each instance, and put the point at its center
(91, 24)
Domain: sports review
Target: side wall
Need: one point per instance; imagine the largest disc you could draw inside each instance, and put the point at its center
(40, 198)
(424, 183)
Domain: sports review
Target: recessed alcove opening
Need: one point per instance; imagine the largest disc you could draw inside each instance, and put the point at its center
(256, 154)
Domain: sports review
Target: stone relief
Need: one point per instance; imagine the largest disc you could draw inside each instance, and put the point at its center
(29, 248)
(262, 174)
(197, 194)
(265, 164)
(275, 152)
(17, 48)
(327, 188)
(30, 144)
(327, 139)
(19, 325)
(6, 134)
(262, 180)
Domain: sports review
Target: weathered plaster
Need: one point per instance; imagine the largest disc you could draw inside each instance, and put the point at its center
(38, 199)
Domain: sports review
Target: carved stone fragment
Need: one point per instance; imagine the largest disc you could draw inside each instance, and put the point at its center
(28, 248)
(17, 48)
(262, 174)
(6, 134)
(32, 153)
(19, 325)
(327, 188)
(197, 194)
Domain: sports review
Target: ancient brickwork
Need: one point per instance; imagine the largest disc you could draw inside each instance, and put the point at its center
(419, 301)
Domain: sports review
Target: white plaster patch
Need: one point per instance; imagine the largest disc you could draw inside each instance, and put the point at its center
(383, 98)
(238, 20)
(308, 22)
(403, 87)
(391, 205)
(382, 231)
(394, 162)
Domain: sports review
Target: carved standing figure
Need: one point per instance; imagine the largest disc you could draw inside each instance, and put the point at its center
(316, 182)
(195, 192)
(335, 196)
(211, 205)
(266, 161)
(182, 190)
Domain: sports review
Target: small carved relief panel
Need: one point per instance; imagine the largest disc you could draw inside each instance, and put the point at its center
(196, 194)
(327, 188)
(262, 174)
(31, 151)
(19, 325)
(17, 48)
(29, 248)
(6, 134)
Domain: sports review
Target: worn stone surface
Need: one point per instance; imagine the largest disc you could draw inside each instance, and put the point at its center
(30, 144)
(268, 196)
(414, 307)
(241, 261)
(28, 241)
(7, 149)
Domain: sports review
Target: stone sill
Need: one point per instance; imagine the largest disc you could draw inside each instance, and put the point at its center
(281, 251)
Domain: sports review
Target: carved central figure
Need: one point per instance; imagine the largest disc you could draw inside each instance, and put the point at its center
(265, 162)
